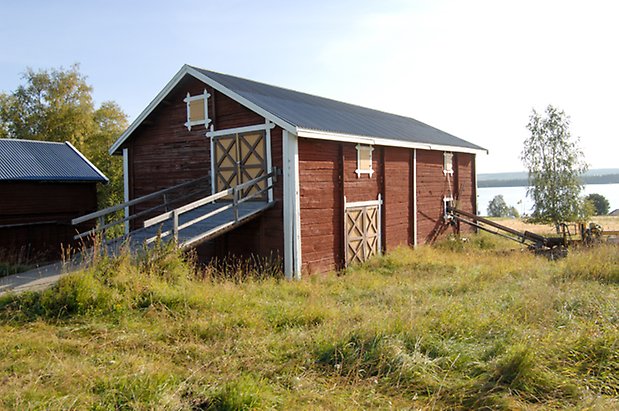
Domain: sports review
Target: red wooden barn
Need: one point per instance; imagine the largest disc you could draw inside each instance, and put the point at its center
(43, 185)
(354, 181)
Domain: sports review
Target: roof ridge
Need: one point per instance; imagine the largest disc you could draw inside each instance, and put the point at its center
(307, 94)
(33, 141)
(339, 102)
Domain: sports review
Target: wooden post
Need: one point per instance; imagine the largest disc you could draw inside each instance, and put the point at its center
(175, 224)
(235, 203)
(381, 195)
(343, 243)
(101, 220)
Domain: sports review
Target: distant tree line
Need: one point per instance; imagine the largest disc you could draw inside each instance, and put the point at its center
(523, 182)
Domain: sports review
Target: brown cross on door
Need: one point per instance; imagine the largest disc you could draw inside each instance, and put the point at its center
(239, 158)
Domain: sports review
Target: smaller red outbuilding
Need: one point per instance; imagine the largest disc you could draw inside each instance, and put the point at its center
(43, 185)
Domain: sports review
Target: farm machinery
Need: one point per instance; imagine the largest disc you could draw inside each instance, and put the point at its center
(551, 247)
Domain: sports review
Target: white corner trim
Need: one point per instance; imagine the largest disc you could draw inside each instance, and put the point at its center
(288, 209)
(83, 157)
(267, 137)
(126, 185)
(298, 255)
(379, 141)
(415, 217)
(292, 215)
(212, 154)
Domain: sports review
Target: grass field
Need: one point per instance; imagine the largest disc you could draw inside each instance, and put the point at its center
(462, 325)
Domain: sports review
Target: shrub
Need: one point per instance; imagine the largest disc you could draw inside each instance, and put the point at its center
(600, 203)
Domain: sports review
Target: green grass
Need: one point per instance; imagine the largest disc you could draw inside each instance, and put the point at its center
(462, 325)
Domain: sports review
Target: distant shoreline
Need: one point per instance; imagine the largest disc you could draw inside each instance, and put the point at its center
(524, 182)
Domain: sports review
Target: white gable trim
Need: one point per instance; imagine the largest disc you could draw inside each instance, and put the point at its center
(207, 80)
(379, 141)
(87, 161)
(242, 100)
(151, 106)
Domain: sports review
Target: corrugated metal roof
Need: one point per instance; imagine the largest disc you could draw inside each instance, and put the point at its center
(44, 161)
(322, 114)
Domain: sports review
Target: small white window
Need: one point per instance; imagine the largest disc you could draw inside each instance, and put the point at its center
(364, 160)
(197, 110)
(448, 167)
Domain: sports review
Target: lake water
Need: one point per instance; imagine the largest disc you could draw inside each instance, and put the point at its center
(516, 196)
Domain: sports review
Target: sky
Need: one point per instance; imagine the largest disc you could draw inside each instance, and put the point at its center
(474, 68)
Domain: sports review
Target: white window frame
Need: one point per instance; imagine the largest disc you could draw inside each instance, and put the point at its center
(189, 123)
(448, 163)
(359, 170)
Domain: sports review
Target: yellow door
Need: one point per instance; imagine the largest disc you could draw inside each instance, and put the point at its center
(240, 158)
(362, 233)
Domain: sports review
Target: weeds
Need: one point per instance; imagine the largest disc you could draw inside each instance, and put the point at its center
(10, 269)
(17, 261)
(243, 269)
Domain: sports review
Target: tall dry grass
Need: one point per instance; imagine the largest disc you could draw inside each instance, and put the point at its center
(476, 324)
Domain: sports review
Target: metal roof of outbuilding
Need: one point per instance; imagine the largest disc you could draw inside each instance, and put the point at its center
(26, 160)
(322, 114)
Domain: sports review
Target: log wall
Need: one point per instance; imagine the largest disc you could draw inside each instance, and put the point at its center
(432, 186)
(321, 204)
(465, 190)
(398, 198)
(35, 217)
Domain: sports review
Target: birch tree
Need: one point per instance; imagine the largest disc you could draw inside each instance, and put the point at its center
(555, 163)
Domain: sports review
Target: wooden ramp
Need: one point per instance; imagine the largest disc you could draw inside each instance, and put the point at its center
(213, 226)
(187, 221)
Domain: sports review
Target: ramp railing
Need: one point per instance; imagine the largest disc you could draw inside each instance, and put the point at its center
(107, 222)
(239, 193)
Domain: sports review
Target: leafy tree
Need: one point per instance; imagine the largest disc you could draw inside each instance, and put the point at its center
(57, 105)
(599, 202)
(555, 163)
(497, 207)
